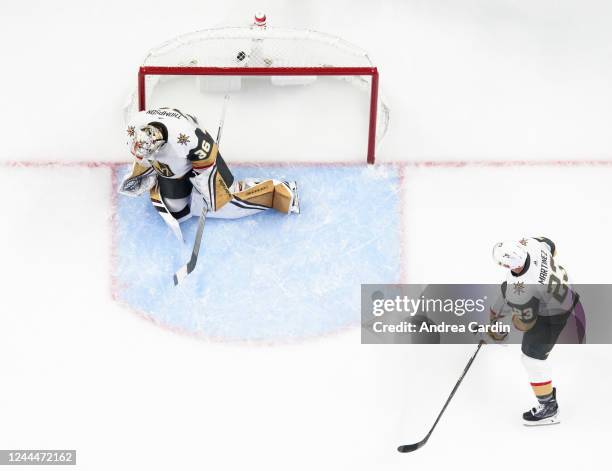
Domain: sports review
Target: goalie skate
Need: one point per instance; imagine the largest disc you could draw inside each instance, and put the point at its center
(295, 203)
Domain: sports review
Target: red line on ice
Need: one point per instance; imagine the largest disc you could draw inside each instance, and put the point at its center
(114, 165)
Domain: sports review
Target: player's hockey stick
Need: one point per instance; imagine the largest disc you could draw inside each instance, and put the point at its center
(186, 269)
(416, 446)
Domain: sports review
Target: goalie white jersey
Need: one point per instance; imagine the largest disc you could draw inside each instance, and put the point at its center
(187, 146)
(187, 173)
(542, 288)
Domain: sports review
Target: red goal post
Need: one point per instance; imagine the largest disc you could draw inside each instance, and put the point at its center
(274, 71)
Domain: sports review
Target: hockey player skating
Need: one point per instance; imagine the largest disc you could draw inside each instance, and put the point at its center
(540, 299)
(179, 164)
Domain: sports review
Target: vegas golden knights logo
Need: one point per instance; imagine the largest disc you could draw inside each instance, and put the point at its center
(162, 169)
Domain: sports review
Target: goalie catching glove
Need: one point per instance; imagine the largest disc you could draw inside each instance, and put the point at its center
(140, 181)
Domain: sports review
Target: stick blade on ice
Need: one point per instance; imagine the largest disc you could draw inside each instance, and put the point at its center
(409, 448)
(180, 275)
(185, 270)
(416, 446)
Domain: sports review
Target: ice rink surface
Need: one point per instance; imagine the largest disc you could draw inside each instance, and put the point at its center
(282, 277)
(517, 91)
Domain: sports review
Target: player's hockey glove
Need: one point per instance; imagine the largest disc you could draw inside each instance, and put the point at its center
(496, 336)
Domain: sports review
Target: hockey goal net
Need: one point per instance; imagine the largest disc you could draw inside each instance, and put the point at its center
(295, 94)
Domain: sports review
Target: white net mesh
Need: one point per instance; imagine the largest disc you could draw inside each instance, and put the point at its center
(260, 47)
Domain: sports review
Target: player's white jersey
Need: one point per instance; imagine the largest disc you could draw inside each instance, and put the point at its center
(187, 146)
(542, 288)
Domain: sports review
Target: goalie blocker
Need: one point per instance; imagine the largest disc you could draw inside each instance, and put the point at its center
(179, 164)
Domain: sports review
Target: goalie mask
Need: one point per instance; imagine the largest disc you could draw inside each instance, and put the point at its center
(146, 141)
(510, 255)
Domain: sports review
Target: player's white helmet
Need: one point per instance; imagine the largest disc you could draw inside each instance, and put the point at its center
(146, 141)
(510, 254)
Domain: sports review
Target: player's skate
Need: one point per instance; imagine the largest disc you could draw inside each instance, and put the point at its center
(546, 413)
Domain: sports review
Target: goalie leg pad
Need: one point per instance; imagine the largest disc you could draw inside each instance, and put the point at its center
(286, 197)
(160, 206)
(260, 194)
(179, 208)
(282, 196)
(251, 196)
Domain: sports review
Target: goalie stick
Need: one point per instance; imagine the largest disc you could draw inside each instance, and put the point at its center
(186, 269)
(416, 446)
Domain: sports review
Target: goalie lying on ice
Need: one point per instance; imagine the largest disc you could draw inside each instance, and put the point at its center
(179, 164)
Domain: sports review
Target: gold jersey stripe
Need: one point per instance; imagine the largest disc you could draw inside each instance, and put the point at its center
(138, 169)
(200, 164)
(209, 160)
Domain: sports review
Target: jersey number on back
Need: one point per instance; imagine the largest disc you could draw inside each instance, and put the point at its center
(204, 147)
(558, 286)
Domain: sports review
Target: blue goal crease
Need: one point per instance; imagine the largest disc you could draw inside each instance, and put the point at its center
(270, 276)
